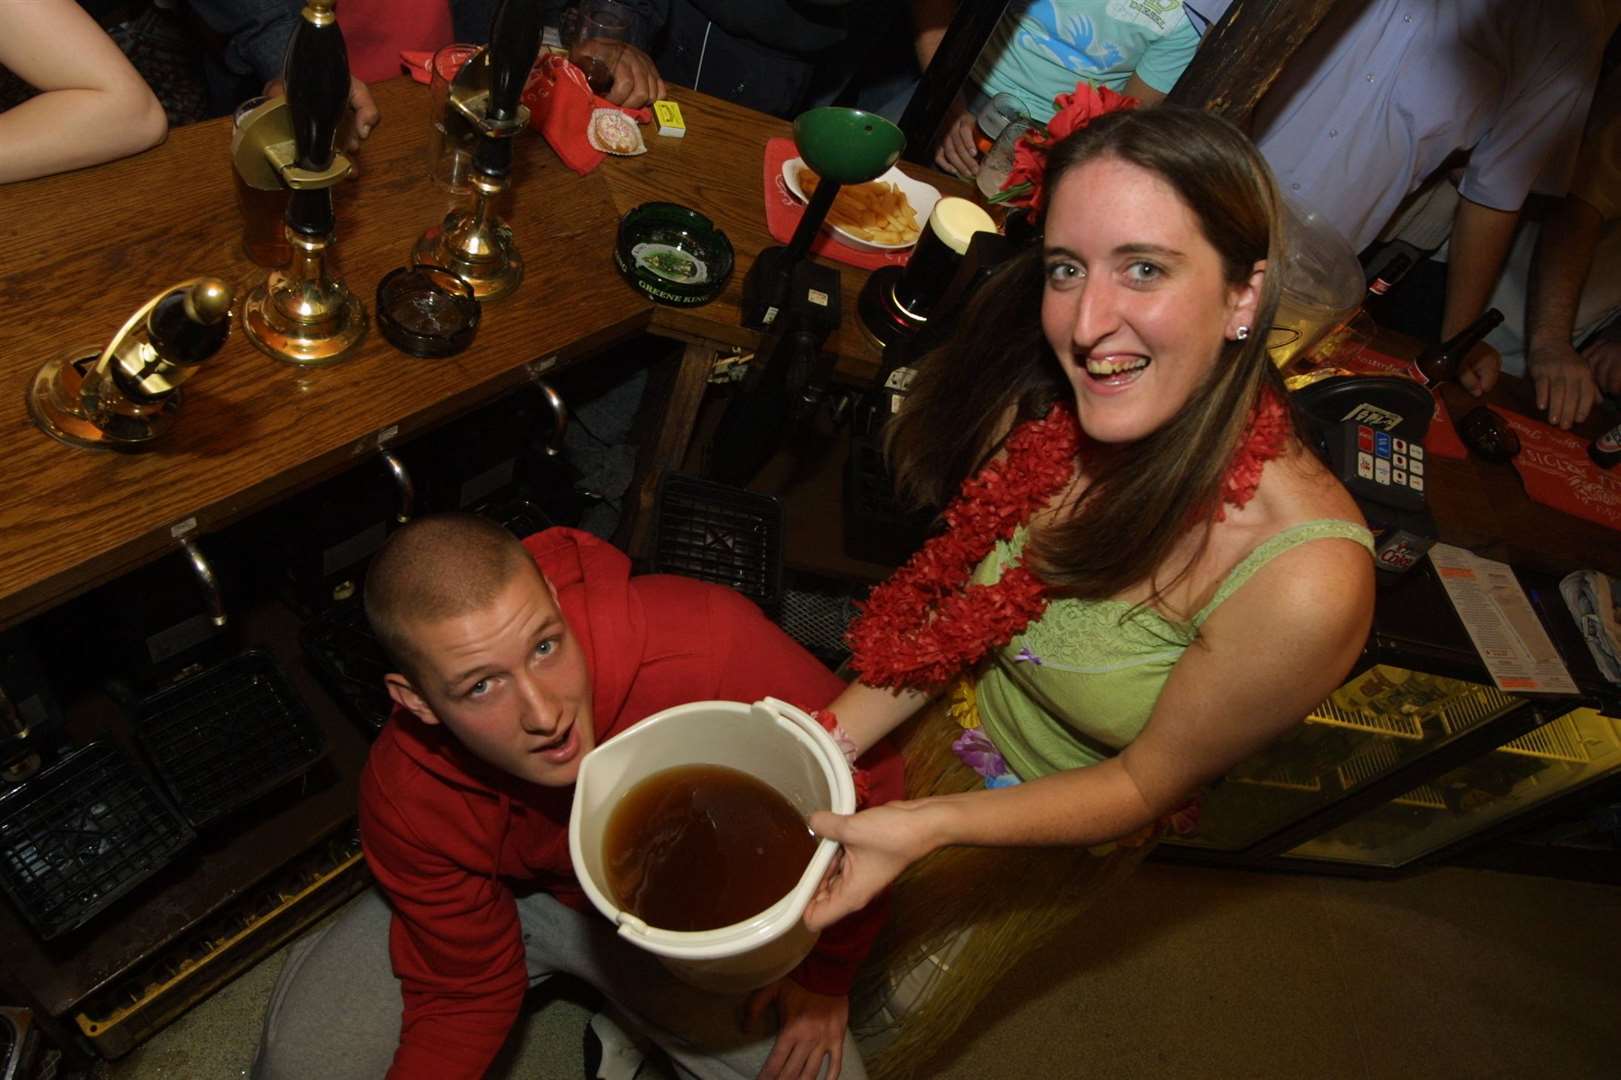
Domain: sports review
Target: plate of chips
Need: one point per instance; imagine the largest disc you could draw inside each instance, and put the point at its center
(886, 214)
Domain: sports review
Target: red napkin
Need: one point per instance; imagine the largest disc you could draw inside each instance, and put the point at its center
(783, 211)
(1442, 438)
(1557, 471)
(560, 103)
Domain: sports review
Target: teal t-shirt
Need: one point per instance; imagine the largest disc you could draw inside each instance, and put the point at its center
(1041, 48)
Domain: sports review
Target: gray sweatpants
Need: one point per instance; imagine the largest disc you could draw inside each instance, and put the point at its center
(335, 1012)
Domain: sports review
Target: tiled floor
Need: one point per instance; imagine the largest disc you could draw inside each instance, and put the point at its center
(1206, 973)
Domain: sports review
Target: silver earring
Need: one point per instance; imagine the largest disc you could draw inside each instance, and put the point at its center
(1242, 333)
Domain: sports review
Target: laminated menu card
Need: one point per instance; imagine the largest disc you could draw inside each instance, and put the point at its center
(1506, 632)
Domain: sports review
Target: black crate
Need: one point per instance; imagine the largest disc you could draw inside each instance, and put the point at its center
(228, 735)
(722, 534)
(81, 834)
(816, 612)
(877, 528)
(350, 662)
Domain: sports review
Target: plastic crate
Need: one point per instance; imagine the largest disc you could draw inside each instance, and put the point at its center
(81, 834)
(228, 735)
(877, 528)
(350, 663)
(816, 612)
(722, 534)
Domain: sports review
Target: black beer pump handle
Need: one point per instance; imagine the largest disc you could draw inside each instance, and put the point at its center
(514, 44)
(317, 77)
(190, 324)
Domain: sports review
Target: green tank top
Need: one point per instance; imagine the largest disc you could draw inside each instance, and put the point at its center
(1080, 683)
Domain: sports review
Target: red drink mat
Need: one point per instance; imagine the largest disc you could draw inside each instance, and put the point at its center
(1442, 439)
(783, 211)
(1557, 472)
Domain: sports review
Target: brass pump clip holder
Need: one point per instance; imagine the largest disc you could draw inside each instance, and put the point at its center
(127, 394)
(302, 314)
(472, 242)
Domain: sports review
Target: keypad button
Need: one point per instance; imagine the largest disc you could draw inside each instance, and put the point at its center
(1364, 438)
(1398, 477)
(1416, 452)
(1381, 443)
(1364, 466)
(1381, 471)
(1416, 483)
(1399, 445)
(1398, 460)
(1415, 467)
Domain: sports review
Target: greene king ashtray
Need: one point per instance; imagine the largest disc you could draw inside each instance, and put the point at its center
(672, 254)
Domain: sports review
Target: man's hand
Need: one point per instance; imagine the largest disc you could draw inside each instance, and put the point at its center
(810, 1027)
(1565, 384)
(1479, 370)
(878, 844)
(636, 78)
(956, 152)
(1603, 358)
(357, 122)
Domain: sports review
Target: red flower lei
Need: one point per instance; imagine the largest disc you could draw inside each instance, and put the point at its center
(926, 624)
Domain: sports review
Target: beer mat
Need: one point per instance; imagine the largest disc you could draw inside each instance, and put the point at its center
(783, 211)
(560, 106)
(1557, 471)
(1442, 439)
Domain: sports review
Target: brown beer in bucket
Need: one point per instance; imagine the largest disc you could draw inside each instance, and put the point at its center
(698, 847)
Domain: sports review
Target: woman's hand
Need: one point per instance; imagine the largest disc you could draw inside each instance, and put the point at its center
(878, 844)
(810, 1027)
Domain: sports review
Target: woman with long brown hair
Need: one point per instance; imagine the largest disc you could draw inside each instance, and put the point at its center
(1146, 577)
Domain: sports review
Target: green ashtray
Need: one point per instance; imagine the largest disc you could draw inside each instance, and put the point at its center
(673, 254)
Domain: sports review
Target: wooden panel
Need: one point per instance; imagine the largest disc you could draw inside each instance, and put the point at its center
(79, 253)
(1242, 54)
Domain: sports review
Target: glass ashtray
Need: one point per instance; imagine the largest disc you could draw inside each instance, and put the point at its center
(427, 311)
(672, 254)
(1489, 435)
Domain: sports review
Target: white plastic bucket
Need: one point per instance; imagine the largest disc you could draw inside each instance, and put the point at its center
(770, 740)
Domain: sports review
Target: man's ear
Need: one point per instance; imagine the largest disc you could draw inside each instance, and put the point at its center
(406, 697)
(1245, 299)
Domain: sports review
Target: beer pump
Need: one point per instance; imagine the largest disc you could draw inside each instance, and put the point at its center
(302, 314)
(472, 242)
(127, 394)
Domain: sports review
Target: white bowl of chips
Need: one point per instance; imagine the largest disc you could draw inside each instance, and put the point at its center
(886, 214)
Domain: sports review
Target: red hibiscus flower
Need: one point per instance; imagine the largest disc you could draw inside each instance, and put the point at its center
(1025, 182)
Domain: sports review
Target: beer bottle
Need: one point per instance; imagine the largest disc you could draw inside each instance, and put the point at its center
(1440, 362)
(1606, 449)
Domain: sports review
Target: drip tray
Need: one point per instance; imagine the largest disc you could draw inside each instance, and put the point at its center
(224, 737)
(81, 834)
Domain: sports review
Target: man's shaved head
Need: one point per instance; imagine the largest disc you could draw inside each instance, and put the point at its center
(437, 568)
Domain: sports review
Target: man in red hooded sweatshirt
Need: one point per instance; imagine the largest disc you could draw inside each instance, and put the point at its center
(514, 662)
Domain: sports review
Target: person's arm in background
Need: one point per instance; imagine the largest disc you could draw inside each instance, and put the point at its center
(1531, 145)
(930, 18)
(92, 106)
(256, 34)
(1564, 382)
(1481, 237)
